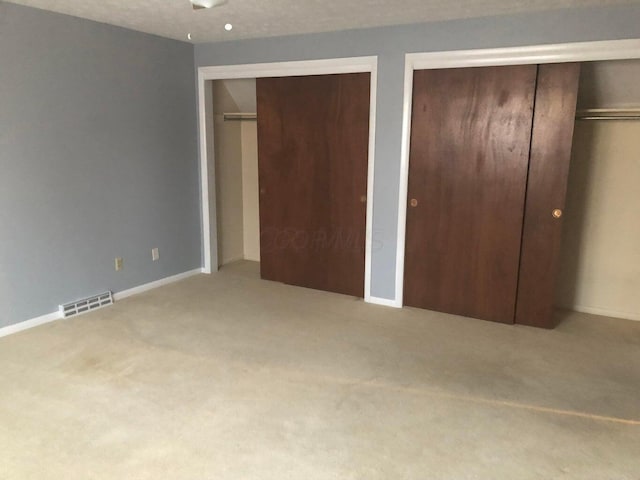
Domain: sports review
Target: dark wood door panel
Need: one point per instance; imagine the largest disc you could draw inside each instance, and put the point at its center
(313, 139)
(467, 177)
(553, 124)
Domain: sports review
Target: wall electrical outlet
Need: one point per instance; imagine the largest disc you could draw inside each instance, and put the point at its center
(155, 254)
(119, 264)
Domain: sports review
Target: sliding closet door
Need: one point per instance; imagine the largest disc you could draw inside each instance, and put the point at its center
(471, 130)
(313, 139)
(546, 189)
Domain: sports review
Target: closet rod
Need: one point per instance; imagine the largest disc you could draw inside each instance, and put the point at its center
(239, 117)
(609, 114)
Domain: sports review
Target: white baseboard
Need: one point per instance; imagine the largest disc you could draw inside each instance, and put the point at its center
(606, 312)
(158, 283)
(52, 317)
(34, 322)
(383, 301)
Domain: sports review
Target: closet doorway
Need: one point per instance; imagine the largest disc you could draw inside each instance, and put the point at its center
(332, 136)
(610, 240)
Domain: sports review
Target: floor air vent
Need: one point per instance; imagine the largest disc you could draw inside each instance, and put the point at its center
(86, 305)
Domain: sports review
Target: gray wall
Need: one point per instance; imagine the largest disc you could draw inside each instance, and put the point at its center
(98, 159)
(390, 44)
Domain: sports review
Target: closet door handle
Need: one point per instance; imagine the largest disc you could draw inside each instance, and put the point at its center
(413, 202)
(557, 213)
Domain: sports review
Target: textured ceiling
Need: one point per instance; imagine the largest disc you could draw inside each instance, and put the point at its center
(264, 18)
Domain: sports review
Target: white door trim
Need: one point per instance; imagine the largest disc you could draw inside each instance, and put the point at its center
(286, 69)
(538, 54)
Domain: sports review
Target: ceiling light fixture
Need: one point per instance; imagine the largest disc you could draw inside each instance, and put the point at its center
(189, 36)
(198, 4)
(228, 27)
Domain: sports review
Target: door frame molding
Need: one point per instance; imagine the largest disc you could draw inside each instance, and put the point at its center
(489, 57)
(368, 64)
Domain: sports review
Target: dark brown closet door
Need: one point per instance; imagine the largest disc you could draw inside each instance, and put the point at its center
(553, 124)
(313, 139)
(470, 137)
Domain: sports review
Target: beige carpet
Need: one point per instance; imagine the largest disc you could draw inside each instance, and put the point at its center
(230, 377)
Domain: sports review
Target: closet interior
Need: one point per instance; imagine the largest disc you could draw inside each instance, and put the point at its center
(599, 270)
(235, 170)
